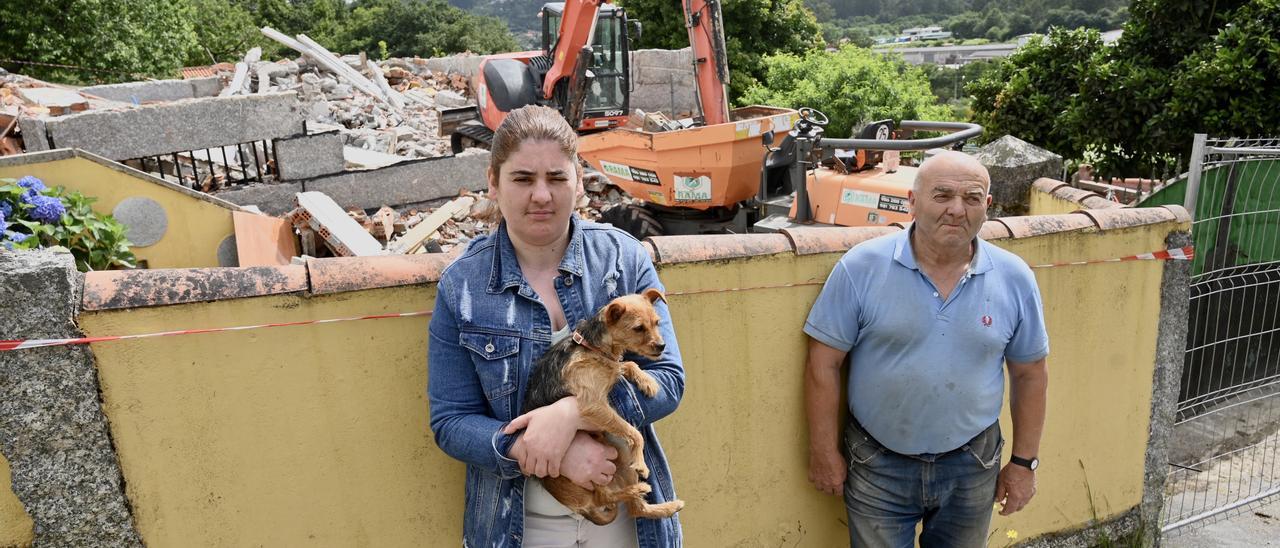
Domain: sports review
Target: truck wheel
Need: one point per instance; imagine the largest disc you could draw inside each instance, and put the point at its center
(634, 219)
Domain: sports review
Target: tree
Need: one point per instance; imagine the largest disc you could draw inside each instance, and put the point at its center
(113, 40)
(421, 27)
(1025, 94)
(753, 29)
(1228, 86)
(224, 31)
(1181, 67)
(853, 86)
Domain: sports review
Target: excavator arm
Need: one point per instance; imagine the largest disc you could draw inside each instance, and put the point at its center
(571, 54)
(710, 59)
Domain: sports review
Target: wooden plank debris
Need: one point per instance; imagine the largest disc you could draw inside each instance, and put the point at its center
(414, 239)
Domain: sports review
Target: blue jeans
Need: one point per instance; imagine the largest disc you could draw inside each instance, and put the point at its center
(887, 494)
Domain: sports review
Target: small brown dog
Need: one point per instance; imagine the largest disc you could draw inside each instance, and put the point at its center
(587, 365)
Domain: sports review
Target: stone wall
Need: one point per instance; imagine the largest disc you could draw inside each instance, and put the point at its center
(662, 80)
(157, 90)
(52, 428)
(152, 130)
(411, 182)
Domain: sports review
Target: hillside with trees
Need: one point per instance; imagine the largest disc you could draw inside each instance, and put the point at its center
(860, 21)
(121, 40)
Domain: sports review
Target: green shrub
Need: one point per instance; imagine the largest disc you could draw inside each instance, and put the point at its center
(853, 86)
(33, 215)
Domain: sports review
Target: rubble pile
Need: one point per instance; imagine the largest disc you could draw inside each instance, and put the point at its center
(328, 100)
(473, 214)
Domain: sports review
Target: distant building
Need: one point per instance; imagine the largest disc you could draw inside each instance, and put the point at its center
(920, 34)
(948, 55)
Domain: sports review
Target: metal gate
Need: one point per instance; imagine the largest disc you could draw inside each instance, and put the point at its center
(1225, 447)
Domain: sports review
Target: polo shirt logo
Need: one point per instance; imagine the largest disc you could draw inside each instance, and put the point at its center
(986, 321)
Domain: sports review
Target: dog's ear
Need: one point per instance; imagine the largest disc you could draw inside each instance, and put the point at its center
(614, 312)
(654, 295)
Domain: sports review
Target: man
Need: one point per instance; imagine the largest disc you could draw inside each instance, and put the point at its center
(928, 319)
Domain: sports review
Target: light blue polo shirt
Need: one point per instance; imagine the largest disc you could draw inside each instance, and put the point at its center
(927, 375)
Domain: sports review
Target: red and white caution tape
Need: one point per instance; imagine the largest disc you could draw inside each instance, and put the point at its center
(1179, 254)
(36, 343)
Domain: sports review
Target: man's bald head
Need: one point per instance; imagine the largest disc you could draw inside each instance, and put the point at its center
(951, 165)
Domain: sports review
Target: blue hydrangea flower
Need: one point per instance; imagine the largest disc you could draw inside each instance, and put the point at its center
(32, 184)
(6, 209)
(48, 209)
(4, 225)
(12, 238)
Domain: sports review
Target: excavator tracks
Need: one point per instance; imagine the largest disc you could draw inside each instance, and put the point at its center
(470, 135)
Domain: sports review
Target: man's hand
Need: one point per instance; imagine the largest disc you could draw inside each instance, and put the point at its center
(827, 467)
(548, 432)
(827, 470)
(1014, 488)
(589, 462)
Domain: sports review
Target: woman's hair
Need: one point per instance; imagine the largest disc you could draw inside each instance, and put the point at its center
(528, 123)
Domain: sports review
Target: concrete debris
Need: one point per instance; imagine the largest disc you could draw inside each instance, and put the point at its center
(344, 236)
(25, 97)
(401, 119)
(384, 106)
(415, 238)
(59, 101)
(654, 122)
(458, 221)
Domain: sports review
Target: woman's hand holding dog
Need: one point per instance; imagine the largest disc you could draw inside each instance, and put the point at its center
(589, 462)
(547, 433)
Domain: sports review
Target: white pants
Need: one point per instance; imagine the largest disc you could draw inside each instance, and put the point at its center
(548, 524)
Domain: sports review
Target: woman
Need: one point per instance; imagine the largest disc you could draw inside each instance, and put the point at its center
(498, 307)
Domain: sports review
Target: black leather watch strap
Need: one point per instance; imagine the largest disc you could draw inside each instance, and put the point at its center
(1031, 463)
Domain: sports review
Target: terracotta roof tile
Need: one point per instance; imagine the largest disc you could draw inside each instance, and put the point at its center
(339, 274)
(810, 240)
(111, 289)
(683, 249)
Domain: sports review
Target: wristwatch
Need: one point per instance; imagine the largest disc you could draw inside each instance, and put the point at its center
(1031, 463)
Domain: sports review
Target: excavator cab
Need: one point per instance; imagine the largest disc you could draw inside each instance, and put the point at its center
(595, 95)
(608, 97)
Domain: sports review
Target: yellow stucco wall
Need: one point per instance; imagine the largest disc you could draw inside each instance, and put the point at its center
(195, 226)
(1044, 203)
(15, 524)
(318, 435)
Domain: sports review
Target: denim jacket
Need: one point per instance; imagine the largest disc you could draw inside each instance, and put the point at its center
(488, 328)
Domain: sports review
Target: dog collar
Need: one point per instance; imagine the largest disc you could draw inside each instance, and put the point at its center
(577, 338)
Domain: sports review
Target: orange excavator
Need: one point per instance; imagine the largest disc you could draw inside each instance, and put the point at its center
(583, 70)
(715, 172)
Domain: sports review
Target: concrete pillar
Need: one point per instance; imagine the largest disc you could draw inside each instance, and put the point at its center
(52, 430)
(307, 156)
(1014, 164)
(1171, 348)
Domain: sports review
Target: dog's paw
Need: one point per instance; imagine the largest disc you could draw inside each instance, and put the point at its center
(647, 385)
(641, 470)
